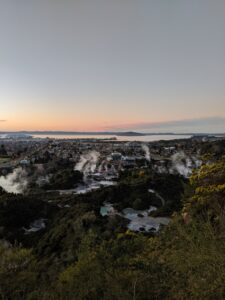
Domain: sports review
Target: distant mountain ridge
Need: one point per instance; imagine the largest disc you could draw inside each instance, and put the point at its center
(129, 133)
(116, 133)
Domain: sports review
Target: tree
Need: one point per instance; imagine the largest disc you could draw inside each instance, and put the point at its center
(3, 151)
(209, 191)
(16, 280)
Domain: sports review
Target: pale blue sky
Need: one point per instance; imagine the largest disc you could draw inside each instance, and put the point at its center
(95, 64)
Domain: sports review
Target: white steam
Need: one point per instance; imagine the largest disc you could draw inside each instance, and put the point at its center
(15, 182)
(183, 164)
(147, 152)
(88, 162)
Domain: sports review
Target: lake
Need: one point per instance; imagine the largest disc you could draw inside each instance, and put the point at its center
(142, 138)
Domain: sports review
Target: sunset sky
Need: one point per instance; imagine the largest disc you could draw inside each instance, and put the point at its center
(147, 65)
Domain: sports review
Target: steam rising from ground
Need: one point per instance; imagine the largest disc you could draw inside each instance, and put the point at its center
(180, 163)
(147, 152)
(88, 162)
(183, 164)
(15, 182)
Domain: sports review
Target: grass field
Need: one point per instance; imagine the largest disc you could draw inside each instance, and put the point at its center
(4, 160)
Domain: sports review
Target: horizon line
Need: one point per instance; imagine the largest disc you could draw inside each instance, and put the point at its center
(107, 132)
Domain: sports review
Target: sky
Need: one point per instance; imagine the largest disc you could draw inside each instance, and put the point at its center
(96, 65)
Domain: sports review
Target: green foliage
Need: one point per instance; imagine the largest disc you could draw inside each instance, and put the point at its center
(213, 149)
(16, 278)
(3, 152)
(209, 186)
(2, 191)
(84, 256)
(64, 179)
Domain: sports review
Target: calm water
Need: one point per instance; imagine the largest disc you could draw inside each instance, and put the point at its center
(147, 138)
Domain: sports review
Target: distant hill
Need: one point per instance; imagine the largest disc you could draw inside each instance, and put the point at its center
(115, 133)
(129, 133)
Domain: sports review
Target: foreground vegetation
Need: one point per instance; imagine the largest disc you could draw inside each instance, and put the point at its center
(81, 255)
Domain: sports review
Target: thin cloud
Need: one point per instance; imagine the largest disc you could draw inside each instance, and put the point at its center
(185, 124)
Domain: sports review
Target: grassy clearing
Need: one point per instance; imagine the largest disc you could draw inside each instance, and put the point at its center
(4, 160)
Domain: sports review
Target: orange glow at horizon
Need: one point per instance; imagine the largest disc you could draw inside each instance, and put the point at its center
(85, 115)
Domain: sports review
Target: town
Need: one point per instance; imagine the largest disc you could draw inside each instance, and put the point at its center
(142, 181)
(95, 162)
